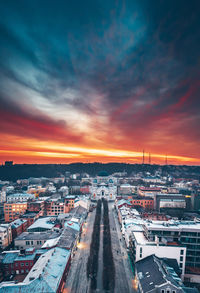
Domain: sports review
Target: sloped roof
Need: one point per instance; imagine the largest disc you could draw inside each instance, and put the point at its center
(45, 275)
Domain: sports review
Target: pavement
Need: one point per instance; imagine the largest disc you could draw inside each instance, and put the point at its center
(124, 279)
(77, 281)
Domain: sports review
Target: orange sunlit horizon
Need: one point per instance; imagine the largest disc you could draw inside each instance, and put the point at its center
(33, 151)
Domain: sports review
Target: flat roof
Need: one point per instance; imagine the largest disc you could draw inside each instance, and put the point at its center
(187, 226)
(42, 223)
(37, 235)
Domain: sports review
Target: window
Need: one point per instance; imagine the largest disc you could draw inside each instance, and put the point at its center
(27, 271)
(182, 251)
(22, 271)
(26, 264)
(168, 291)
(22, 264)
(181, 258)
(27, 242)
(173, 291)
(162, 291)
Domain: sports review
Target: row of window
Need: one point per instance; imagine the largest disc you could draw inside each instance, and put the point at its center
(168, 291)
(39, 242)
(21, 264)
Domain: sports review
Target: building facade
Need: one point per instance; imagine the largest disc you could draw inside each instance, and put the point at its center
(103, 187)
(12, 211)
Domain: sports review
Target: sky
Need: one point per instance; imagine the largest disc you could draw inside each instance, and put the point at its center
(88, 81)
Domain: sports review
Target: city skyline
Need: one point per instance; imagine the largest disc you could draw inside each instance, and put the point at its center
(97, 81)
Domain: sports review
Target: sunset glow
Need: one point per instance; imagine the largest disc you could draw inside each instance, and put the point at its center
(100, 85)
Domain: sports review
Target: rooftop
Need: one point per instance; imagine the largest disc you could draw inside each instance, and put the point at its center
(38, 235)
(67, 238)
(187, 226)
(153, 272)
(42, 223)
(44, 276)
(17, 223)
(72, 225)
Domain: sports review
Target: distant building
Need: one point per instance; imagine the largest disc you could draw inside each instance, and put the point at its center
(55, 207)
(34, 239)
(8, 163)
(147, 203)
(18, 226)
(3, 194)
(148, 191)
(5, 235)
(42, 224)
(12, 211)
(19, 197)
(126, 189)
(172, 201)
(103, 187)
(69, 203)
(35, 206)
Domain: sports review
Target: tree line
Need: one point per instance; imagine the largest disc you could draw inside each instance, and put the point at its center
(108, 262)
(92, 264)
(23, 171)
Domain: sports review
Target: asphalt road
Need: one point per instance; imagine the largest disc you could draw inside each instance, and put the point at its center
(77, 281)
(123, 272)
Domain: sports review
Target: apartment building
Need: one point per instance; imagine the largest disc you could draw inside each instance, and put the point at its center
(5, 235)
(12, 211)
(185, 233)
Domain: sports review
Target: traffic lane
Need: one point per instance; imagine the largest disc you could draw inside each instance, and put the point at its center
(77, 281)
(120, 253)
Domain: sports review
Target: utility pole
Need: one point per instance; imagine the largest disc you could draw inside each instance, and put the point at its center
(149, 158)
(143, 158)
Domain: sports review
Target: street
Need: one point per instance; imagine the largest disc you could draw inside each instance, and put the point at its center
(77, 281)
(123, 273)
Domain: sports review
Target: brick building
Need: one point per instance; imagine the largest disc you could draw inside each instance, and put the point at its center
(13, 211)
(18, 226)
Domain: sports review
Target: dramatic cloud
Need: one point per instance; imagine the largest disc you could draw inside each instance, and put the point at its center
(115, 77)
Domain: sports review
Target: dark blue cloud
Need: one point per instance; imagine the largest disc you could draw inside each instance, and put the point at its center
(131, 62)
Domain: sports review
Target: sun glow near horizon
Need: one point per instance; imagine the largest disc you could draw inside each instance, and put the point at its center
(38, 151)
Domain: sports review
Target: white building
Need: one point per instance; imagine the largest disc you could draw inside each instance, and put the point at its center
(3, 195)
(142, 248)
(5, 235)
(103, 186)
(19, 197)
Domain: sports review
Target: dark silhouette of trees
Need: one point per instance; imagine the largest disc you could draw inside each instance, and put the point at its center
(108, 263)
(92, 264)
(22, 171)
